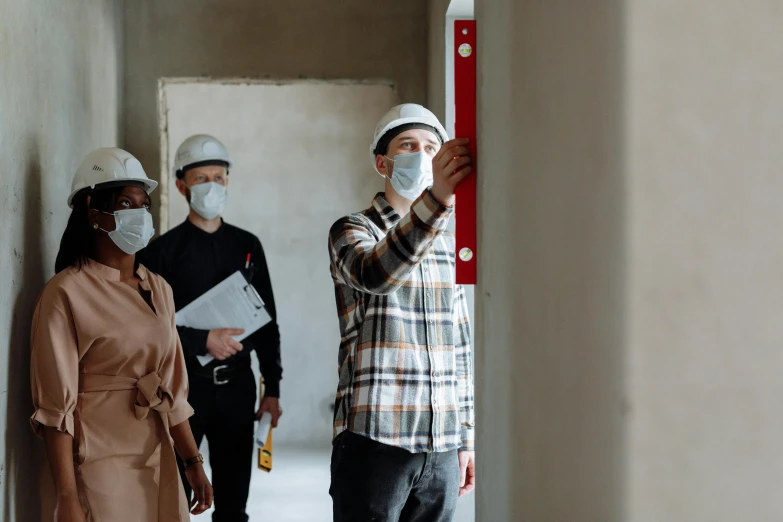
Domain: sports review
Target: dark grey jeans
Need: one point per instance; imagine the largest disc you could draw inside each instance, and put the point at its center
(373, 482)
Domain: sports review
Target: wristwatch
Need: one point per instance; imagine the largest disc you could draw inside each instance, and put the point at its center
(198, 459)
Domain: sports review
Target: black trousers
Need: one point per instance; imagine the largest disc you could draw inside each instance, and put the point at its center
(375, 482)
(225, 415)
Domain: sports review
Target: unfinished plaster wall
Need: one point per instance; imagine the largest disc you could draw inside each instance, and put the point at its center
(436, 86)
(705, 120)
(354, 39)
(60, 76)
(551, 295)
(631, 309)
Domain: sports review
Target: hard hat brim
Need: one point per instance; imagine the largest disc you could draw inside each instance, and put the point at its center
(149, 186)
(227, 163)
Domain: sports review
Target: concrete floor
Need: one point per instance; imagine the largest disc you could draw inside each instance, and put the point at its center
(297, 490)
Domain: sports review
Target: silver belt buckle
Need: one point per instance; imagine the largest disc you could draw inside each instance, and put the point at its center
(215, 379)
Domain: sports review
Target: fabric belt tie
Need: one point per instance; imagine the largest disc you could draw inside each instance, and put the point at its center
(150, 396)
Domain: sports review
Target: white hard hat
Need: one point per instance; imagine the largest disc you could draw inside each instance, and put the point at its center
(403, 115)
(199, 148)
(108, 165)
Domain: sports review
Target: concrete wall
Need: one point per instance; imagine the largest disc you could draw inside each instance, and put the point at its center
(355, 39)
(436, 84)
(705, 179)
(630, 312)
(301, 161)
(551, 292)
(60, 77)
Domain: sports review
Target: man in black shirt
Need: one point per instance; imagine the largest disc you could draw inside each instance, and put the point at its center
(194, 257)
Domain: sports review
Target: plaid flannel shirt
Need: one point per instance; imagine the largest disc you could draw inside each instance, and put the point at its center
(404, 364)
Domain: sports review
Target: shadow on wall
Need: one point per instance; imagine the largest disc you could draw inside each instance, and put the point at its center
(24, 454)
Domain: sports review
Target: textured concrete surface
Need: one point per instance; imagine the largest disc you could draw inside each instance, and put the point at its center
(354, 39)
(705, 164)
(629, 305)
(60, 77)
(550, 298)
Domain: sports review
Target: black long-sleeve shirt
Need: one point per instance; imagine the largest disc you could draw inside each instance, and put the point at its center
(192, 261)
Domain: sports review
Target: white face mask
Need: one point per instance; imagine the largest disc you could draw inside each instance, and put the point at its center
(133, 229)
(412, 174)
(208, 199)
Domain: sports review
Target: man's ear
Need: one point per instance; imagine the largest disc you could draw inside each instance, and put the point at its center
(183, 189)
(381, 165)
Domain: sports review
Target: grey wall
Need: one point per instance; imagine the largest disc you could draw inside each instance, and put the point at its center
(705, 180)
(630, 310)
(354, 39)
(551, 292)
(60, 76)
(436, 85)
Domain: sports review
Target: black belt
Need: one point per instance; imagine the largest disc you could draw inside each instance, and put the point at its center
(219, 374)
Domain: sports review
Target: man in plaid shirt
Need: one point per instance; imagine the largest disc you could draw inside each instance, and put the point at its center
(403, 445)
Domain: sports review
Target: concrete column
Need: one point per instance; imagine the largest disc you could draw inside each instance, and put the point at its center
(705, 263)
(551, 293)
(630, 292)
(436, 77)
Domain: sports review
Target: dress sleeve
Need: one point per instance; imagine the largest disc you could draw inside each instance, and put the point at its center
(54, 363)
(173, 373)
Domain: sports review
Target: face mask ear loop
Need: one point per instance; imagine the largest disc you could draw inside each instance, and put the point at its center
(376, 168)
(96, 226)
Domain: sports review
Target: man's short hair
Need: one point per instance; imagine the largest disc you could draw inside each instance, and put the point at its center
(383, 144)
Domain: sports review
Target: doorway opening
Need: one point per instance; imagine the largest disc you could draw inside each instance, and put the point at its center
(300, 153)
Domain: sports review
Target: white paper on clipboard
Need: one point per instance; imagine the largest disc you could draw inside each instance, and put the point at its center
(233, 303)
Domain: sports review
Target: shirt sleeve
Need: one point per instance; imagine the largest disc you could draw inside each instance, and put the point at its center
(381, 267)
(173, 373)
(193, 340)
(267, 339)
(54, 363)
(464, 369)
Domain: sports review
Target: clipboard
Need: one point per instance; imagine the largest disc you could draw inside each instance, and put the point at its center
(232, 303)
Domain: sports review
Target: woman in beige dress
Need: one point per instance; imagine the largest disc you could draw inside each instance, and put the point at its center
(108, 373)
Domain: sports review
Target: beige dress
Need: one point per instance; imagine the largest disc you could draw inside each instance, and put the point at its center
(109, 370)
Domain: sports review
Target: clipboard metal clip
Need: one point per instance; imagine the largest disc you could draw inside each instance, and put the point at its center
(253, 297)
